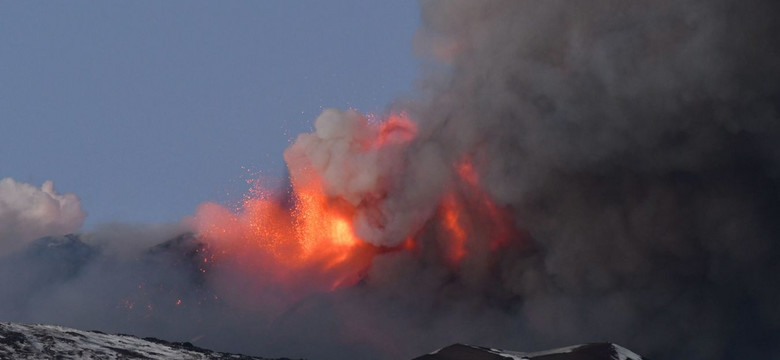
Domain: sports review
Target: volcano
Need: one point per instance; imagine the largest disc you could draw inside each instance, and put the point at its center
(565, 173)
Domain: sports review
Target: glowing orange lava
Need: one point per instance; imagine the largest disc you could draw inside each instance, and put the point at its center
(305, 240)
(396, 129)
(469, 213)
(452, 222)
(311, 244)
(465, 170)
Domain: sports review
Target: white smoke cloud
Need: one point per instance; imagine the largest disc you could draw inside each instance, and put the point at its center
(28, 212)
(356, 161)
(335, 152)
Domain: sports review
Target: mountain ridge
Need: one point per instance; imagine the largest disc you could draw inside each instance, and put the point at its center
(592, 351)
(38, 341)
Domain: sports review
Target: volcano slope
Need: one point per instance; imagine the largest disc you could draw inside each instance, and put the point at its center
(20, 341)
(596, 351)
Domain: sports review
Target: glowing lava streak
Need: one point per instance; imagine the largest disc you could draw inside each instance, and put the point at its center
(469, 214)
(311, 245)
(452, 222)
(397, 129)
(304, 241)
(308, 242)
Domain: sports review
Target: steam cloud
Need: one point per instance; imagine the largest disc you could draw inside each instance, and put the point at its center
(27, 213)
(634, 142)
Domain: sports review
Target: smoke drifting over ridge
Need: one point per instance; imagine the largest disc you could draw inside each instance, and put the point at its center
(27, 213)
(631, 145)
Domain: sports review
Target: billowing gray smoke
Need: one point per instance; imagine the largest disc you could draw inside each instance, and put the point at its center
(637, 144)
(632, 142)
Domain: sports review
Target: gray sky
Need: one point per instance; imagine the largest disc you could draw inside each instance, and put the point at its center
(145, 109)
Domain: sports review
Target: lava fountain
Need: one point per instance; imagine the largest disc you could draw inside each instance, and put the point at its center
(305, 240)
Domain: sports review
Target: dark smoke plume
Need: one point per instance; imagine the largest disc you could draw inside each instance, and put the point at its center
(637, 144)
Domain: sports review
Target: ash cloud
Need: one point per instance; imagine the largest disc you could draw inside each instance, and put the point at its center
(636, 143)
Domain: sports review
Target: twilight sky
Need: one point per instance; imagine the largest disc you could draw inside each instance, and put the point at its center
(146, 109)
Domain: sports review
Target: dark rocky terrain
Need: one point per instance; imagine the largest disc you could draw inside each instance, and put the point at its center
(597, 351)
(19, 341)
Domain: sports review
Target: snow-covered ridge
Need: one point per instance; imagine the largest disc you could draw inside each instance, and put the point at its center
(19, 341)
(597, 351)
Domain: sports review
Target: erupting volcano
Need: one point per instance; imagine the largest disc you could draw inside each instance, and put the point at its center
(561, 173)
(313, 235)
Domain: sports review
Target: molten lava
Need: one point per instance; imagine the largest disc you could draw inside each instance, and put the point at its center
(471, 219)
(452, 221)
(396, 129)
(310, 244)
(308, 241)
